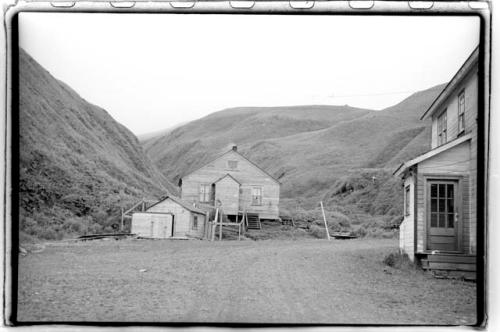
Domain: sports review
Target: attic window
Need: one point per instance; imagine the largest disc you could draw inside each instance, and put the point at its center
(232, 164)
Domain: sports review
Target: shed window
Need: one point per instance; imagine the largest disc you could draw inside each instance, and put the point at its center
(442, 128)
(256, 196)
(407, 200)
(204, 193)
(232, 164)
(195, 223)
(461, 112)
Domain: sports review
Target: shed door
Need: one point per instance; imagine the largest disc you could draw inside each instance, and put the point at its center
(442, 215)
(161, 226)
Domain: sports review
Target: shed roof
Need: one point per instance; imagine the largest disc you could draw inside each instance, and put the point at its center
(242, 156)
(404, 166)
(468, 65)
(188, 206)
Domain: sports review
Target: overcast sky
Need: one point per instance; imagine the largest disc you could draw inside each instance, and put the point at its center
(152, 71)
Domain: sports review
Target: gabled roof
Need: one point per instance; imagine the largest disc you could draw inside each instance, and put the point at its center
(188, 206)
(404, 166)
(242, 156)
(468, 65)
(227, 175)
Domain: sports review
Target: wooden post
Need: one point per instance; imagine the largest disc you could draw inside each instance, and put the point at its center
(215, 223)
(324, 218)
(220, 227)
(121, 223)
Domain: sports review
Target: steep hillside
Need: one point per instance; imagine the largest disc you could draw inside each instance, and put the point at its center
(77, 164)
(198, 141)
(314, 151)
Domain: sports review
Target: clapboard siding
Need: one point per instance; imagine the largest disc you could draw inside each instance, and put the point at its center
(183, 218)
(246, 173)
(421, 226)
(406, 229)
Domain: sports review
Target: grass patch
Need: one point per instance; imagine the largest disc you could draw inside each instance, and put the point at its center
(398, 260)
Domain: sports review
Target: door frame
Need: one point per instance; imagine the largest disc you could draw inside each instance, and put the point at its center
(459, 203)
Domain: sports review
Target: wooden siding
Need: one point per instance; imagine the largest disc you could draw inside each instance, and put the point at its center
(227, 190)
(406, 229)
(183, 218)
(247, 174)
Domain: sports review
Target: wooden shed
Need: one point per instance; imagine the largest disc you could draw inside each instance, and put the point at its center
(170, 217)
(238, 183)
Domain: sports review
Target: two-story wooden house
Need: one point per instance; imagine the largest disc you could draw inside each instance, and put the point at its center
(439, 226)
(237, 183)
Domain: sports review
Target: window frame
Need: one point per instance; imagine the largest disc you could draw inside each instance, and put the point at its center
(259, 202)
(461, 112)
(194, 226)
(442, 128)
(206, 194)
(229, 162)
(407, 200)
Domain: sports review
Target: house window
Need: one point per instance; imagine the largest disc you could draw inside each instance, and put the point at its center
(461, 112)
(204, 193)
(195, 223)
(256, 196)
(232, 164)
(407, 200)
(442, 128)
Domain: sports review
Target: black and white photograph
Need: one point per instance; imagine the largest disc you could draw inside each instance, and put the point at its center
(208, 168)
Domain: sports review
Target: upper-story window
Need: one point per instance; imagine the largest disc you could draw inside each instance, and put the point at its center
(442, 128)
(461, 112)
(232, 164)
(204, 193)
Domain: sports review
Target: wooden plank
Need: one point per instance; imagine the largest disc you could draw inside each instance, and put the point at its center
(452, 266)
(442, 239)
(452, 259)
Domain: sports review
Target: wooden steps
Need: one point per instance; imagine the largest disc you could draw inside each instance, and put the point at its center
(449, 265)
(253, 221)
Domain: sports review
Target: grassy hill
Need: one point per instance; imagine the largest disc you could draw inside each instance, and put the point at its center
(77, 164)
(341, 155)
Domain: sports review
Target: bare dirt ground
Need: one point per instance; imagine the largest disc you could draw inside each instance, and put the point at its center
(306, 281)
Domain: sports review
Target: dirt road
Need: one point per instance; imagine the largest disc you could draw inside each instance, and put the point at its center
(306, 281)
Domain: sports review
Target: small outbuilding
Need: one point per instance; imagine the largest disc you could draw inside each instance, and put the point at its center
(170, 217)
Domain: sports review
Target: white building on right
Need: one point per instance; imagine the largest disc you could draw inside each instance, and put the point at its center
(439, 226)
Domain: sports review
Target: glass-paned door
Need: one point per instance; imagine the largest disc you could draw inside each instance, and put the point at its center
(443, 216)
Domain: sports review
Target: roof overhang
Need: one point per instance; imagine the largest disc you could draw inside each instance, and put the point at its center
(404, 166)
(466, 68)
